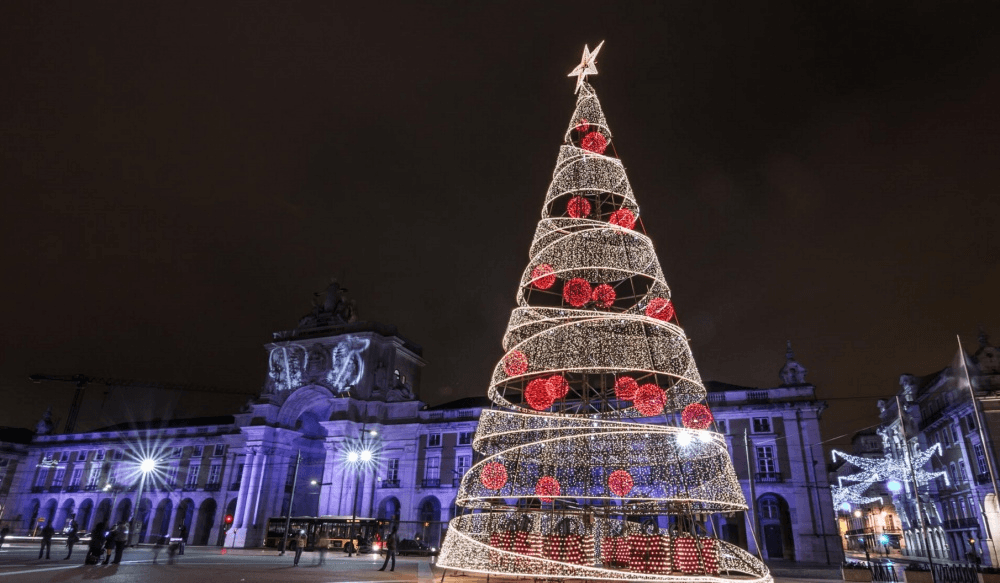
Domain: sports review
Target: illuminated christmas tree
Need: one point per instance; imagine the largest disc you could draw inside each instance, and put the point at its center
(600, 458)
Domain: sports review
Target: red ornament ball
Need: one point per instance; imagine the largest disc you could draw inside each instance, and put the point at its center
(546, 488)
(625, 388)
(537, 394)
(594, 142)
(583, 127)
(661, 309)
(558, 387)
(696, 416)
(624, 218)
(620, 483)
(649, 399)
(578, 207)
(577, 292)
(515, 363)
(543, 276)
(493, 476)
(604, 295)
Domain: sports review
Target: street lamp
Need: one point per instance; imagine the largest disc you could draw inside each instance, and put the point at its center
(354, 457)
(146, 467)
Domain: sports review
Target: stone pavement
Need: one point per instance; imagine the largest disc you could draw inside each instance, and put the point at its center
(19, 563)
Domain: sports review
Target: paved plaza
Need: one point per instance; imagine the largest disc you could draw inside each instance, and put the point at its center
(19, 562)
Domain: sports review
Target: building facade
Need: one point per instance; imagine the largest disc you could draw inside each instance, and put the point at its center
(339, 429)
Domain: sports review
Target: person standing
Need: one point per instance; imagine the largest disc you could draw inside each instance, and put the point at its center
(96, 544)
(121, 538)
(109, 544)
(390, 551)
(158, 547)
(3, 534)
(183, 531)
(46, 548)
(71, 539)
(300, 545)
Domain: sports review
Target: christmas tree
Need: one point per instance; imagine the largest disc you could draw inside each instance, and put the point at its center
(599, 459)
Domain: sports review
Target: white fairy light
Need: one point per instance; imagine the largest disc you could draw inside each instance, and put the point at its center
(591, 346)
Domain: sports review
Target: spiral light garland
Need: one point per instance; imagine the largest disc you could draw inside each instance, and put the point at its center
(592, 347)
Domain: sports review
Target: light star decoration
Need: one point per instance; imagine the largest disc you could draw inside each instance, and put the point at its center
(587, 66)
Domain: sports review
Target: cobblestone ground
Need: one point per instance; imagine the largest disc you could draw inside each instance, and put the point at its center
(19, 562)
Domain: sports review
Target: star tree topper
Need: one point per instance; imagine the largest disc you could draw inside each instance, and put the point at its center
(587, 66)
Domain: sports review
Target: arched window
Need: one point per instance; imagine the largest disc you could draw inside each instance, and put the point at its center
(769, 508)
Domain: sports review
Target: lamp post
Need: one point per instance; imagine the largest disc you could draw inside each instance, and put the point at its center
(356, 458)
(146, 466)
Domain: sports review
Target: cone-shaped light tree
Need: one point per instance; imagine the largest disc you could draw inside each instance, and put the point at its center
(599, 459)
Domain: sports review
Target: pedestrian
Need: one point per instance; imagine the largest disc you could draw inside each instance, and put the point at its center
(3, 534)
(184, 535)
(71, 539)
(390, 551)
(171, 551)
(300, 545)
(109, 544)
(121, 538)
(158, 546)
(96, 548)
(46, 547)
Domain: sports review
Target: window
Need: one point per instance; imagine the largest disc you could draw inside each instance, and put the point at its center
(765, 459)
(432, 470)
(980, 458)
(962, 474)
(762, 425)
(76, 477)
(178, 452)
(99, 455)
(197, 451)
(81, 456)
(973, 508)
(214, 473)
(462, 464)
(769, 508)
(971, 422)
(951, 473)
(465, 438)
(889, 524)
(118, 454)
(192, 476)
(937, 437)
(43, 474)
(47, 457)
(721, 425)
(64, 456)
(94, 477)
(954, 433)
(961, 509)
(392, 470)
(434, 440)
(58, 477)
(172, 476)
(220, 450)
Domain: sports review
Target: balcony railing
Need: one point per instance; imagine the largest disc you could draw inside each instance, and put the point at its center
(72, 487)
(55, 488)
(961, 523)
(390, 483)
(431, 483)
(213, 487)
(757, 397)
(983, 478)
(234, 486)
(37, 489)
(772, 477)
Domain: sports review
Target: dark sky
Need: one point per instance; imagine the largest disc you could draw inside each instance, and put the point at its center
(178, 179)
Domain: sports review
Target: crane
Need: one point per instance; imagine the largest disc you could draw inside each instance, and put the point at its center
(81, 381)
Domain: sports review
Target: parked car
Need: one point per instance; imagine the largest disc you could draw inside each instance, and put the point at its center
(408, 546)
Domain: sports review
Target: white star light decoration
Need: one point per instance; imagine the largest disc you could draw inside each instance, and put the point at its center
(587, 66)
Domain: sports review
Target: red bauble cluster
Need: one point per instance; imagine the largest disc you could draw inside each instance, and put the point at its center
(537, 394)
(604, 295)
(578, 207)
(583, 127)
(696, 416)
(594, 142)
(493, 476)
(620, 483)
(546, 488)
(650, 399)
(623, 218)
(515, 363)
(625, 388)
(660, 308)
(577, 292)
(543, 276)
(558, 387)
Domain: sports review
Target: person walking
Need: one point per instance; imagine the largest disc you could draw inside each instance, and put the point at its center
(96, 547)
(121, 539)
(71, 539)
(3, 534)
(300, 545)
(390, 551)
(46, 548)
(158, 547)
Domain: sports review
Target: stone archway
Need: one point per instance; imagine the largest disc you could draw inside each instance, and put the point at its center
(776, 527)
(123, 511)
(142, 516)
(429, 514)
(306, 405)
(205, 522)
(161, 519)
(66, 513)
(103, 514)
(388, 509)
(185, 518)
(33, 509)
(84, 514)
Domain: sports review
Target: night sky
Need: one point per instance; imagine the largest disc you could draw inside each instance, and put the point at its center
(179, 179)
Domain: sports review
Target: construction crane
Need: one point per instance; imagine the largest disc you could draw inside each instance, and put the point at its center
(81, 381)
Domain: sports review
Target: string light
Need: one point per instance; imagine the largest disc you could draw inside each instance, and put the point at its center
(540, 493)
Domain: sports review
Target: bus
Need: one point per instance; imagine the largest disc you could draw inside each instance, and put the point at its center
(330, 532)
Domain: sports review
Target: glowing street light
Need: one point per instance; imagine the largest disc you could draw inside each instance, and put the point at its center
(352, 457)
(366, 456)
(894, 485)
